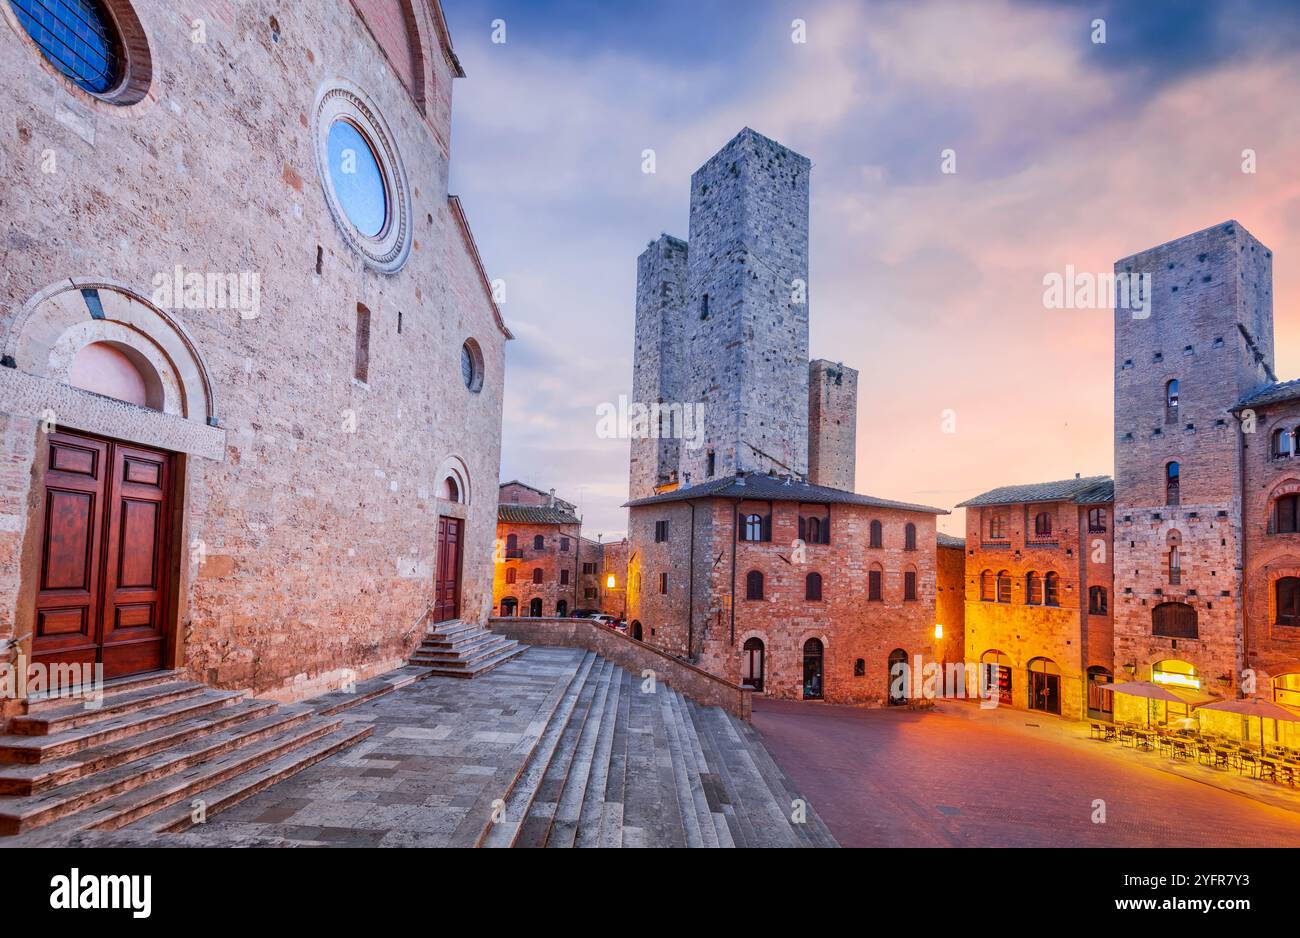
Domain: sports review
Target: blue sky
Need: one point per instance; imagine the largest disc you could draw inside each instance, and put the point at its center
(1068, 152)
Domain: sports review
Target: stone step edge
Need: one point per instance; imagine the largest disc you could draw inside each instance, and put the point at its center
(583, 756)
(49, 700)
(592, 807)
(684, 799)
(484, 668)
(77, 715)
(694, 753)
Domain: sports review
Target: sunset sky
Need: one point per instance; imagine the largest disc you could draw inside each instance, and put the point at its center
(1068, 153)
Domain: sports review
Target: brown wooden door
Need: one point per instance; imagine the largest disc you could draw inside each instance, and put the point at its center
(446, 588)
(103, 588)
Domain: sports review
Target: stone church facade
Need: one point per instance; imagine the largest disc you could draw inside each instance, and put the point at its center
(749, 552)
(246, 432)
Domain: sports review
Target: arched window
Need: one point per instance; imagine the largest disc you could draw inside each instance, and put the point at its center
(1173, 479)
(752, 528)
(511, 574)
(449, 491)
(537, 574)
(1004, 586)
(909, 586)
(1175, 672)
(1283, 443)
(812, 669)
(1033, 589)
(876, 584)
(512, 542)
(753, 585)
(997, 674)
(909, 537)
(1052, 589)
(1097, 600)
(1171, 401)
(1096, 520)
(1043, 524)
(509, 606)
(813, 587)
(998, 526)
(877, 534)
(1286, 689)
(986, 587)
(76, 37)
(1286, 515)
(539, 542)
(1174, 620)
(118, 371)
(1287, 593)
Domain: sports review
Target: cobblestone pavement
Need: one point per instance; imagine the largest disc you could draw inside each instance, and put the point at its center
(958, 776)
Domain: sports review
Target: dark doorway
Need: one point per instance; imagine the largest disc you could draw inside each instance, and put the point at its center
(535, 608)
(636, 629)
(751, 664)
(561, 609)
(509, 606)
(812, 669)
(446, 588)
(898, 688)
(102, 593)
(1044, 686)
(1101, 703)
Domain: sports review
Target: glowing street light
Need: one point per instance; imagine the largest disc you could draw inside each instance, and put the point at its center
(610, 582)
(938, 630)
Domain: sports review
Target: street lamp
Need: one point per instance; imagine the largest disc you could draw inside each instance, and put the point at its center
(609, 584)
(938, 630)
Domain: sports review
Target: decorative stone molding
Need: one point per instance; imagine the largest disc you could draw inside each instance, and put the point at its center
(340, 99)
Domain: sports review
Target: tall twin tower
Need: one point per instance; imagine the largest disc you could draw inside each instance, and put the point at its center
(723, 322)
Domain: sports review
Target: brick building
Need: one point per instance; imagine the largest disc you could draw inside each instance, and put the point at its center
(749, 553)
(252, 368)
(545, 567)
(1038, 592)
(950, 598)
(613, 578)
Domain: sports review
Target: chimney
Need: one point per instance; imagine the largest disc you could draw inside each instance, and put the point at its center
(550, 502)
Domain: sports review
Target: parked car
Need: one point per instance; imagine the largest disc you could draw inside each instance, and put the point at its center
(584, 613)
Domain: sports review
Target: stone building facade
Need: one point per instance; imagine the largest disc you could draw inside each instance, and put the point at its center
(545, 567)
(1205, 344)
(738, 560)
(282, 424)
(950, 598)
(1039, 592)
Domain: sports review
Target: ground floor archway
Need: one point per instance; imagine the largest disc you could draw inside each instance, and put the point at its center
(752, 664)
(535, 608)
(636, 629)
(1045, 686)
(899, 683)
(813, 655)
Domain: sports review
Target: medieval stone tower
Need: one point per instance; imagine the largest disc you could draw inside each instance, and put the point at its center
(832, 424)
(1208, 339)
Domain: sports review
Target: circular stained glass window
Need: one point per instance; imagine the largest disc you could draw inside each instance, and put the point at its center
(471, 366)
(357, 179)
(77, 37)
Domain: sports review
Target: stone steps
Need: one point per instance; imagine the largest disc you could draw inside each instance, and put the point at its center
(613, 766)
(458, 649)
(156, 741)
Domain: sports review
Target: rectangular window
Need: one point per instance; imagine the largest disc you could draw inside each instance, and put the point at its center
(564, 577)
(564, 543)
(663, 583)
(661, 531)
(909, 586)
(875, 592)
(361, 363)
(588, 569)
(589, 592)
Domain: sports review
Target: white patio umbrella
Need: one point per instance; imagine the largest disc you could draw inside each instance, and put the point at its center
(1145, 689)
(1259, 709)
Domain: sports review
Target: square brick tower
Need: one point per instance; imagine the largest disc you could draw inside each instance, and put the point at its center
(832, 424)
(746, 317)
(659, 372)
(1207, 341)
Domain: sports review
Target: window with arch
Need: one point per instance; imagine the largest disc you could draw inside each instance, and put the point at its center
(753, 527)
(1171, 401)
(1033, 589)
(987, 593)
(539, 542)
(1286, 689)
(512, 542)
(1043, 524)
(537, 574)
(1096, 520)
(1174, 620)
(753, 585)
(899, 678)
(471, 365)
(1173, 480)
(1004, 586)
(909, 586)
(511, 574)
(998, 526)
(1286, 515)
(1283, 445)
(449, 491)
(1097, 600)
(813, 587)
(1052, 589)
(1286, 593)
(104, 53)
(909, 537)
(877, 535)
(875, 584)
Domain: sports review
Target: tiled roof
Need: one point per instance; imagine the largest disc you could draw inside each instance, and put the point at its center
(768, 488)
(947, 540)
(1271, 394)
(534, 514)
(1087, 491)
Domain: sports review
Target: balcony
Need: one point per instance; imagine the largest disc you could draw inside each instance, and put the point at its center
(995, 545)
(514, 553)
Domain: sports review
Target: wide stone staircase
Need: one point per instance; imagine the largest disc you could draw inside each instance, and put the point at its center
(616, 764)
(157, 744)
(458, 649)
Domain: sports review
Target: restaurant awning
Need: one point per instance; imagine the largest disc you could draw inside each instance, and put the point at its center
(1143, 689)
(1255, 707)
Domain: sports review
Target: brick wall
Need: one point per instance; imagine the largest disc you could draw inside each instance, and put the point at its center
(832, 424)
(554, 562)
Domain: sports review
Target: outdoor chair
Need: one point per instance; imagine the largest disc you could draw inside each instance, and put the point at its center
(1247, 764)
(1267, 770)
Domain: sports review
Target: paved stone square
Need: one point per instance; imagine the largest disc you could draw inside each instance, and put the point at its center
(958, 776)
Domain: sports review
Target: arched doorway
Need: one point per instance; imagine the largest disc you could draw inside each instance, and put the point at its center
(636, 629)
(900, 683)
(509, 606)
(562, 609)
(535, 608)
(752, 664)
(1286, 689)
(996, 668)
(1101, 704)
(812, 669)
(1045, 686)
(1175, 673)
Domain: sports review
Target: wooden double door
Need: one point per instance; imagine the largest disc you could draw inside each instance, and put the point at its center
(102, 594)
(446, 584)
